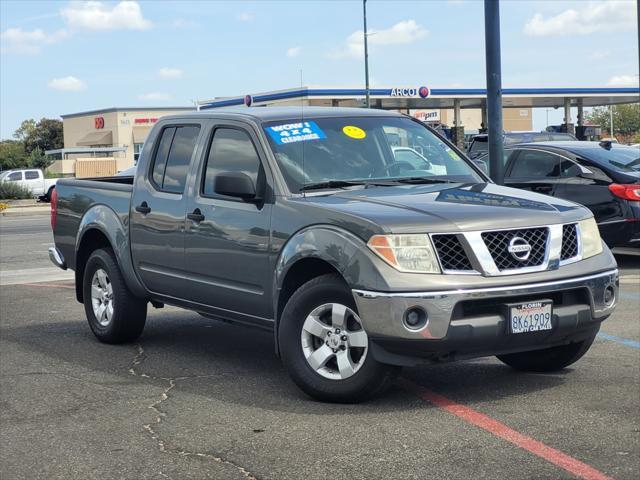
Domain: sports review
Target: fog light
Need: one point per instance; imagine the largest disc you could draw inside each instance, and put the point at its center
(415, 318)
(609, 295)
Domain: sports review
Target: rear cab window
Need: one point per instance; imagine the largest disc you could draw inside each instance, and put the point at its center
(31, 175)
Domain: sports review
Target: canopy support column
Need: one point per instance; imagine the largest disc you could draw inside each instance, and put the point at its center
(457, 132)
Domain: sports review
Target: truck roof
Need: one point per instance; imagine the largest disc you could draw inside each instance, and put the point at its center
(268, 114)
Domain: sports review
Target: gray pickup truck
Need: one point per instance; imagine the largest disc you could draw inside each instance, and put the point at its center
(363, 240)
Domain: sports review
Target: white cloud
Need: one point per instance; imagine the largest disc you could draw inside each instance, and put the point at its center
(168, 72)
(182, 23)
(592, 17)
(154, 96)
(600, 54)
(245, 17)
(16, 40)
(67, 84)
(624, 81)
(401, 33)
(93, 15)
(294, 51)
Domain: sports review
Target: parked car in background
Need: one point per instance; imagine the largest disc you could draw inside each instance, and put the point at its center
(32, 179)
(603, 176)
(357, 259)
(480, 143)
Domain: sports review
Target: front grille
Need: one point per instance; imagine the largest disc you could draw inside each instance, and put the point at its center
(452, 255)
(498, 243)
(569, 242)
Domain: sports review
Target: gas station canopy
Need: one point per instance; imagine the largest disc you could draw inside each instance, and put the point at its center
(422, 97)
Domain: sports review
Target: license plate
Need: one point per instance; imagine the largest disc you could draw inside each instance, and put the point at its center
(530, 316)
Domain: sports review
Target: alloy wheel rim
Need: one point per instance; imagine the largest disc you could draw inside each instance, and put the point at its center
(102, 297)
(333, 341)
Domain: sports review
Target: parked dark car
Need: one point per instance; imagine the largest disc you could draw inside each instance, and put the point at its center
(603, 176)
(479, 144)
(359, 238)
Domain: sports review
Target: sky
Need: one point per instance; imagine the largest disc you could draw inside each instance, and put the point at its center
(59, 57)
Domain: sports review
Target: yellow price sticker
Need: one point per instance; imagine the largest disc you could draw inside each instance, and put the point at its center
(354, 132)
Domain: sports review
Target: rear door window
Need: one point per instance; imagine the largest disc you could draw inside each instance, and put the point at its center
(535, 164)
(173, 156)
(31, 175)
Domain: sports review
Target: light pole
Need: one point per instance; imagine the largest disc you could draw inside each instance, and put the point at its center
(611, 122)
(494, 89)
(366, 55)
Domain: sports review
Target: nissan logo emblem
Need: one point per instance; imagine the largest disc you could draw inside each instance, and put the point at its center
(519, 249)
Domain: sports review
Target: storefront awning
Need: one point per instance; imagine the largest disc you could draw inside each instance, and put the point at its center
(140, 134)
(103, 137)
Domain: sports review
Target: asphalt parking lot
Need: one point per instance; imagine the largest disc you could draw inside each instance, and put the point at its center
(199, 399)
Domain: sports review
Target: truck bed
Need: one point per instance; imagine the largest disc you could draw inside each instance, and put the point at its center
(77, 196)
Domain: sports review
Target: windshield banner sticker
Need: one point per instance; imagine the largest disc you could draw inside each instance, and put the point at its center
(295, 132)
(456, 195)
(354, 132)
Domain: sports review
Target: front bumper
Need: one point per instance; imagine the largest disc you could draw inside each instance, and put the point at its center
(473, 321)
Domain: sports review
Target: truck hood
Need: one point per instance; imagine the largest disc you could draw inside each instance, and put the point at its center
(450, 207)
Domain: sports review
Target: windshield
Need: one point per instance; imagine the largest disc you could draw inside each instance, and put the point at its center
(362, 150)
(620, 157)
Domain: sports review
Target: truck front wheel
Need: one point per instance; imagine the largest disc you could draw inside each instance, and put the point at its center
(324, 346)
(115, 315)
(549, 359)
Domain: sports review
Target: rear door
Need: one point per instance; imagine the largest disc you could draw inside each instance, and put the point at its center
(158, 209)
(34, 181)
(534, 170)
(227, 238)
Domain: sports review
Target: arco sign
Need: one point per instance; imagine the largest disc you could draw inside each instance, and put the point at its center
(422, 92)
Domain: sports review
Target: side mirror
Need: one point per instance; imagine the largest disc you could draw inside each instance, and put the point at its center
(235, 184)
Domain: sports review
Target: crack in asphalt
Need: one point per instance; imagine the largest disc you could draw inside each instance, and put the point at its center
(161, 416)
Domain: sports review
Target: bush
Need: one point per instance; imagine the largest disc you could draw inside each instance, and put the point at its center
(13, 191)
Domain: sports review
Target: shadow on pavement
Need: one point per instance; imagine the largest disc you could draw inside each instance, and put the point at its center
(238, 365)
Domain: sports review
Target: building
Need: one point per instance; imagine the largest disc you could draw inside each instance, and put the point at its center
(104, 142)
(463, 109)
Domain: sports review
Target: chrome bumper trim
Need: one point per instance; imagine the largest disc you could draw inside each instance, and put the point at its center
(471, 291)
(57, 258)
(382, 312)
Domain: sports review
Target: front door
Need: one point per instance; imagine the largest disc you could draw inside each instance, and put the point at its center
(227, 239)
(534, 170)
(158, 210)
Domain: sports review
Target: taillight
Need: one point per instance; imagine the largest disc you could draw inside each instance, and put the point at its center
(628, 192)
(54, 208)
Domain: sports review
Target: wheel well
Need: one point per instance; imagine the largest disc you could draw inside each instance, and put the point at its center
(299, 274)
(91, 241)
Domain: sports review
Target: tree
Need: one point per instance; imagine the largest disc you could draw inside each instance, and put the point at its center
(46, 135)
(626, 119)
(37, 159)
(12, 155)
(25, 130)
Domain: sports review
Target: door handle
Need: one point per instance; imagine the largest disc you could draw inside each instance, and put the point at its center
(543, 188)
(143, 208)
(196, 216)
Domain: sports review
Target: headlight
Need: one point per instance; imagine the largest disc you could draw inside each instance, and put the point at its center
(590, 238)
(407, 253)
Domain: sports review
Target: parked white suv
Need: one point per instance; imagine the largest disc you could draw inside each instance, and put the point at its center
(33, 179)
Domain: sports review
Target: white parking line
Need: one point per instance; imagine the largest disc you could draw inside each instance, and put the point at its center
(34, 275)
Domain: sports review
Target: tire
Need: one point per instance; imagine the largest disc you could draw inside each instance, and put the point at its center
(47, 196)
(549, 359)
(124, 314)
(358, 376)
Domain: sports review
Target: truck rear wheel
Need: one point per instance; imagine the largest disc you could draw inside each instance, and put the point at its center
(324, 347)
(114, 314)
(549, 359)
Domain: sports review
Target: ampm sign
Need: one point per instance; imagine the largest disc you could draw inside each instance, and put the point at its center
(422, 92)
